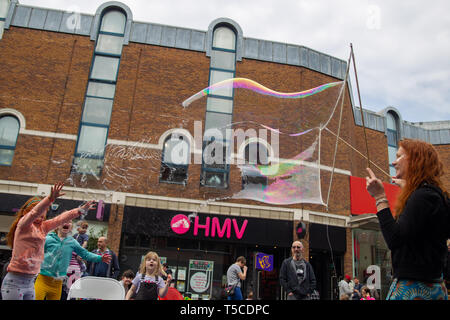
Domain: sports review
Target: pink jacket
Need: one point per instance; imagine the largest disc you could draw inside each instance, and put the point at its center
(29, 239)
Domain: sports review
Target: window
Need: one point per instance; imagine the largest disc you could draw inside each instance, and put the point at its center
(100, 93)
(219, 110)
(4, 7)
(255, 154)
(9, 130)
(392, 140)
(175, 159)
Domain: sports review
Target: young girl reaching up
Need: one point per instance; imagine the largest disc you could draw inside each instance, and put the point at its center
(27, 237)
(58, 250)
(148, 283)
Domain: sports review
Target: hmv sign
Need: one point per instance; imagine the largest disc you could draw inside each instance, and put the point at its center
(210, 227)
(153, 222)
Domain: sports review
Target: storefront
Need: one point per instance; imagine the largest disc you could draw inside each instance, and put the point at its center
(371, 256)
(199, 248)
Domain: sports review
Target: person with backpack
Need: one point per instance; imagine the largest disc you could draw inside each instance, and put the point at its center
(417, 230)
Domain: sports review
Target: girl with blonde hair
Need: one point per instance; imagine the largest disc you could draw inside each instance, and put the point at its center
(148, 283)
(417, 230)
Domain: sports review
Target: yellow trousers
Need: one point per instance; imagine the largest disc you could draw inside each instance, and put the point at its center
(47, 288)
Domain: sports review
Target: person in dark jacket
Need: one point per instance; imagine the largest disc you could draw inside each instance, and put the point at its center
(417, 231)
(102, 269)
(297, 275)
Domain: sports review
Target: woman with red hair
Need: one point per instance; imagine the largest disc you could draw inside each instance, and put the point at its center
(27, 238)
(417, 231)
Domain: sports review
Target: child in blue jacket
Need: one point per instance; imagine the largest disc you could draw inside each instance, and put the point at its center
(58, 250)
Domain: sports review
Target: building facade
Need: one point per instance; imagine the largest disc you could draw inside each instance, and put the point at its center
(95, 100)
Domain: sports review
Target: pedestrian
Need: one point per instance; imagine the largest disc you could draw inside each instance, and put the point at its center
(148, 284)
(235, 273)
(58, 249)
(27, 237)
(297, 275)
(365, 294)
(417, 230)
(101, 269)
(82, 237)
(357, 289)
(127, 278)
(167, 271)
(344, 286)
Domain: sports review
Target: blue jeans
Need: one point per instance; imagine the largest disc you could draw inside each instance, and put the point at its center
(237, 294)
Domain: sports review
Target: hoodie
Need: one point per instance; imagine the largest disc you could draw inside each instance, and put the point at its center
(57, 255)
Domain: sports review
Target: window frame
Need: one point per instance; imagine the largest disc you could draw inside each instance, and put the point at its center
(165, 165)
(10, 147)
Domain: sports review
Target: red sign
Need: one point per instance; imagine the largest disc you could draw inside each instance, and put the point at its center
(362, 202)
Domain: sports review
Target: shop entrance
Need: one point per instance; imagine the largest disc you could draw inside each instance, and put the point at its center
(325, 272)
(266, 284)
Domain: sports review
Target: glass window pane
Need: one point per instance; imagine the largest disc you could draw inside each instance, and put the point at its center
(392, 153)
(6, 157)
(103, 90)
(224, 38)
(216, 125)
(219, 105)
(391, 123)
(176, 150)
(223, 60)
(217, 76)
(105, 68)
(173, 174)
(109, 44)
(214, 179)
(4, 5)
(88, 165)
(97, 110)
(92, 140)
(392, 171)
(9, 129)
(391, 137)
(113, 21)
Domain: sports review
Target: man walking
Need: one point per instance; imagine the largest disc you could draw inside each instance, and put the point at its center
(297, 275)
(102, 269)
(235, 273)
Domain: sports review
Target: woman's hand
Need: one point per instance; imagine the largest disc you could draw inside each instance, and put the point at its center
(374, 186)
(55, 191)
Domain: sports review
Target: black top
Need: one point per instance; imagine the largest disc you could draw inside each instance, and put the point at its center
(418, 239)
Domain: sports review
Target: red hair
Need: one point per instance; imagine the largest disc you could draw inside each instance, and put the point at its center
(424, 165)
(27, 207)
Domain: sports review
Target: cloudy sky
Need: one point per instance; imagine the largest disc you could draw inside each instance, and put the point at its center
(402, 48)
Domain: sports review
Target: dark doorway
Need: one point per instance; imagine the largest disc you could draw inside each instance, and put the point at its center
(327, 271)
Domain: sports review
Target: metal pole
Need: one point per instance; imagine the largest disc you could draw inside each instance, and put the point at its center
(360, 104)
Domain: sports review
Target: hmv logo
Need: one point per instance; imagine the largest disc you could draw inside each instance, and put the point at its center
(181, 224)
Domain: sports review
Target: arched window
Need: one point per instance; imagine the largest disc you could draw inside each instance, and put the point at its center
(175, 159)
(100, 93)
(219, 109)
(392, 139)
(9, 130)
(255, 154)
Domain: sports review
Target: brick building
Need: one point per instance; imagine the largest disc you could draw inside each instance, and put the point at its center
(95, 100)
